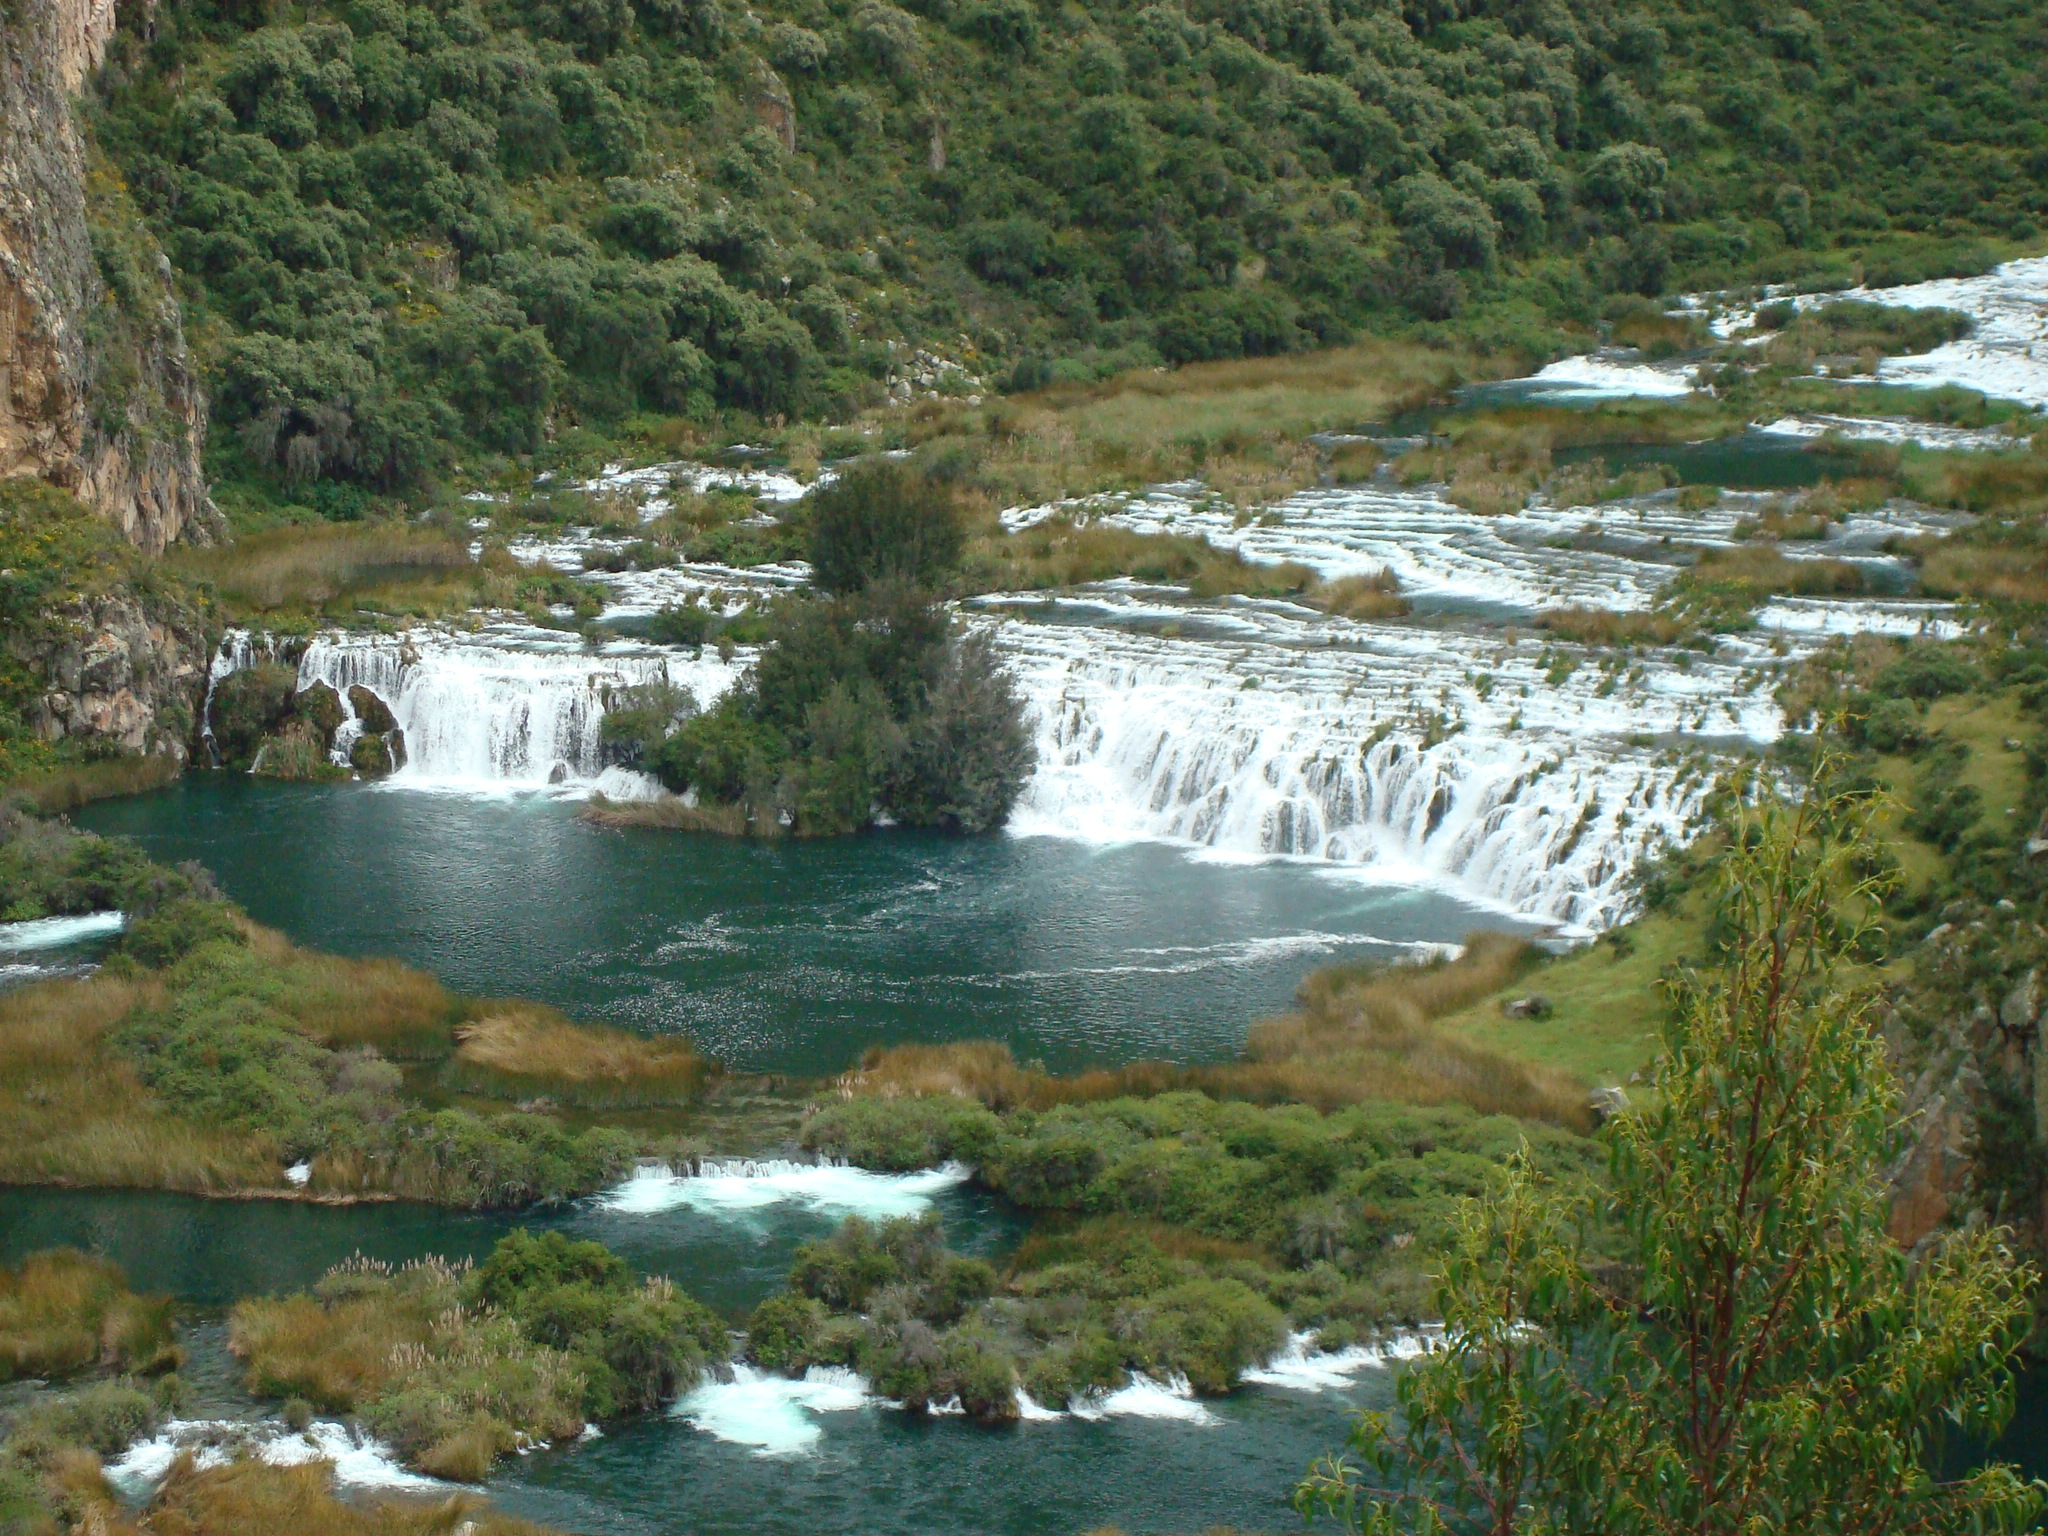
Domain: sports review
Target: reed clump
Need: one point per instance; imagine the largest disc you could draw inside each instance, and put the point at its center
(309, 568)
(1604, 626)
(456, 1367)
(72, 1111)
(522, 1051)
(1064, 551)
(345, 1002)
(1375, 595)
(1358, 1034)
(1992, 572)
(64, 1312)
(253, 1498)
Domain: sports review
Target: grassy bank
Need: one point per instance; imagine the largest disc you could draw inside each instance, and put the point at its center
(208, 1053)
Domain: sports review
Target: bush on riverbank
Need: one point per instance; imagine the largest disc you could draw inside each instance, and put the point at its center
(457, 1367)
(209, 1052)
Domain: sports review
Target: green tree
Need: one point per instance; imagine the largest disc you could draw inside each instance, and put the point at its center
(1762, 1357)
(882, 522)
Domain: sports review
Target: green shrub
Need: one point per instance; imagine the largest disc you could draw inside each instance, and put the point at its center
(882, 521)
(902, 1134)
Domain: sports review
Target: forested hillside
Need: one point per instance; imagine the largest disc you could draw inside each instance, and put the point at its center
(420, 239)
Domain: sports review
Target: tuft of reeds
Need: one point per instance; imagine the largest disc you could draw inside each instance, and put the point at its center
(309, 568)
(1603, 626)
(54, 791)
(523, 1051)
(63, 1312)
(1373, 596)
(1063, 552)
(253, 1498)
(72, 1112)
(344, 1001)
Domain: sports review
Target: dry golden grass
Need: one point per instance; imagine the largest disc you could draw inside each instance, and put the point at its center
(1353, 463)
(1762, 570)
(1491, 466)
(1986, 571)
(1060, 552)
(1377, 596)
(1360, 1033)
(336, 1356)
(66, 788)
(671, 814)
(253, 1498)
(1602, 626)
(71, 1113)
(404, 1013)
(64, 1312)
(523, 1051)
(312, 567)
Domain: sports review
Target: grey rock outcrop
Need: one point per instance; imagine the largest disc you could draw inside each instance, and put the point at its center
(97, 390)
(123, 674)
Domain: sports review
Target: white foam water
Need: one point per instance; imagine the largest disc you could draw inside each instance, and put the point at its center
(1144, 1397)
(58, 932)
(500, 709)
(2005, 356)
(1302, 1365)
(771, 1413)
(1598, 376)
(358, 1462)
(740, 1189)
(1893, 429)
(1533, 797)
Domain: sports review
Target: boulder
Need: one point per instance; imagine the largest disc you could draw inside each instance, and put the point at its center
(1534, 1006)
(320, 707)
(371, 756)
(373, 712)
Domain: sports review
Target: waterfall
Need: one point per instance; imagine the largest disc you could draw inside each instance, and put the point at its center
(482, 710)
(1524, 791)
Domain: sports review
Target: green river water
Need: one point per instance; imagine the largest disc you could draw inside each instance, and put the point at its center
(789, 957)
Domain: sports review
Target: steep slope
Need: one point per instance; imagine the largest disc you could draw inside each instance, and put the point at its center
(471, 234)
(97, 393)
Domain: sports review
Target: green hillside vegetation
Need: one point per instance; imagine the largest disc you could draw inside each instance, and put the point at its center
(417, 241)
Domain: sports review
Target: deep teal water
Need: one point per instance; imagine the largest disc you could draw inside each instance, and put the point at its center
(875, 1471)
(789, 956)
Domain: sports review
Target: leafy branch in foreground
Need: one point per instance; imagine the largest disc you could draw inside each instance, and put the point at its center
(1759, 1355)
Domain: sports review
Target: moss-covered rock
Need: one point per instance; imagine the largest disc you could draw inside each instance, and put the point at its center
(373, 712)
(371, 756)
(299, 751)
(248, 706)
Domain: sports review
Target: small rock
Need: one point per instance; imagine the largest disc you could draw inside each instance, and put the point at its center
(1534, 1006)
(1939, 933)
(2022, 1004)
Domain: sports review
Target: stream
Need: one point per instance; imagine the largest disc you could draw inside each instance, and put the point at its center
(1229, 794)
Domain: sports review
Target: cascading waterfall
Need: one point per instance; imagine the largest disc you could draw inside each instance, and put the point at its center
(1255, 749)
(478, 711)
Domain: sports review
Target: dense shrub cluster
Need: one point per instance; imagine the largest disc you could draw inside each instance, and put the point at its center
(423, 233)
(1184, 1236)
(48, 869)
(867, 700)
(458, 1367)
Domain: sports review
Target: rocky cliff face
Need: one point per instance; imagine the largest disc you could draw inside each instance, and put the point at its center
(97, 391)
(123, 674)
